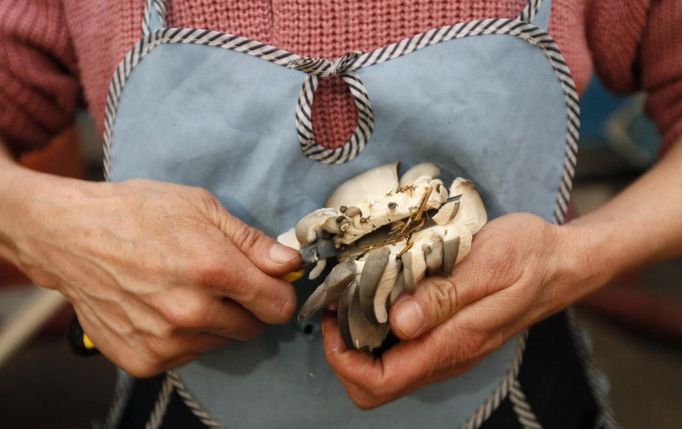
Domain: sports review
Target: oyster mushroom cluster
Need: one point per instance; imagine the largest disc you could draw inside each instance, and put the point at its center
(390, 233)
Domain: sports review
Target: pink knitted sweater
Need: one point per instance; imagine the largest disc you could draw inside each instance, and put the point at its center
(57, 54)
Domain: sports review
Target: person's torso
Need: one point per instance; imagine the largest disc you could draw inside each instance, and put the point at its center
(491, 100)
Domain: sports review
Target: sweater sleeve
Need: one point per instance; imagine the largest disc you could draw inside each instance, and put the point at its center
(637, 44)
(39, 89)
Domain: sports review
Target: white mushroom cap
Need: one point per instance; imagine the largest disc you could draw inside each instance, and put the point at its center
(471, 209)
(308, 229)
(420, 170)
(289, 239)
(368, 186)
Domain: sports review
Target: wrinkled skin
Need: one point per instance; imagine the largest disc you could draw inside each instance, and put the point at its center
(509, 281)
(158, 273)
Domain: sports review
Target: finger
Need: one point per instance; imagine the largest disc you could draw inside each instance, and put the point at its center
(340, 358)
(266, 253)
(196, 311)
(270, 299)
(372, 381)
(231, 320)
(232, 275)
(505, 313)
(402, 369)
(438, 298)
(168, 350)
(435, 301)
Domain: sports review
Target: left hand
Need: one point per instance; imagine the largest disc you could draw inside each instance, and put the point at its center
(518, 272)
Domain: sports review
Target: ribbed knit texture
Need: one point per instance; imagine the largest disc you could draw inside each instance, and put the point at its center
(52, 50)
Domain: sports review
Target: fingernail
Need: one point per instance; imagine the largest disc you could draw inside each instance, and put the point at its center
(409, 318)
(282, 254)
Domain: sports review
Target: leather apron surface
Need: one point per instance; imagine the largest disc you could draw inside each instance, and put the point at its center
(491, 100)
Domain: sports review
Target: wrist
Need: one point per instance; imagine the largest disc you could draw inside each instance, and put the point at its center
(17, 196)
(32, 204)
(583, 260)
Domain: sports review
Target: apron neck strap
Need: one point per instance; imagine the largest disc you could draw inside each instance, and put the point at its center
(537, 12)
(154, 16)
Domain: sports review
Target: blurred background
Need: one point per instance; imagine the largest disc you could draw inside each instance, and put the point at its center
(635, 324)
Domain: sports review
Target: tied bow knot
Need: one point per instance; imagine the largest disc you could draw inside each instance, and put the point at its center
(324, 68)
(316, 69)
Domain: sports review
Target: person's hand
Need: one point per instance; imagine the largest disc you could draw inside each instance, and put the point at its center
(516, 274)
(157, 273)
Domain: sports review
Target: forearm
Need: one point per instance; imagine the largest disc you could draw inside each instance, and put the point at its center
(641, 225)
(12, 203)
(25, 197)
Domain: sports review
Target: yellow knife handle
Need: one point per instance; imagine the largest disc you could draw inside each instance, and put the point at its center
(80, 343)
(87, 342)
(293, 276)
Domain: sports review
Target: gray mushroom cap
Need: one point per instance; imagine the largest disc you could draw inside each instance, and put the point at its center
(365, 333)
(330, 290)
(414, 267)
(450, 254)
(387, 284)
(342, 314)
(371, 275)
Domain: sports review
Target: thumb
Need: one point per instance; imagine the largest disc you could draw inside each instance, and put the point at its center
(266, 253)
(434, 302)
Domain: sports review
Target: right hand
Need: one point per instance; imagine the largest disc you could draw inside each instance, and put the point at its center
(158, 273)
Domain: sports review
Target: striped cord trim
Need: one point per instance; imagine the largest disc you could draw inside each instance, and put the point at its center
(317, 68)
(530, 11)
(161, 406)
(159, 6)
(488, 407)
(522, 408)
(171, 383)
(606, 419)
(122, 390)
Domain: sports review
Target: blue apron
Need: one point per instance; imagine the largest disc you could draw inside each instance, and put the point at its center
(491, 100)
